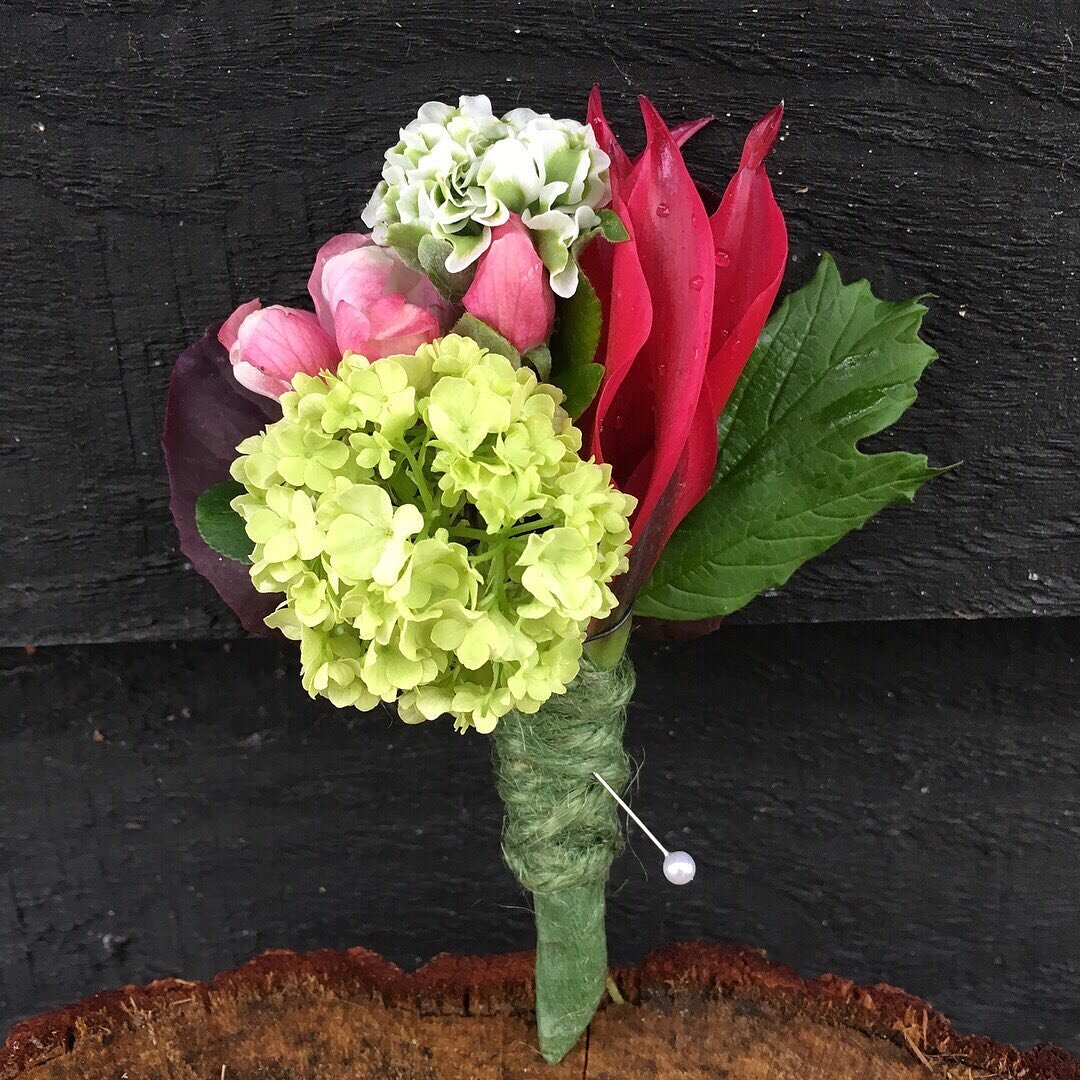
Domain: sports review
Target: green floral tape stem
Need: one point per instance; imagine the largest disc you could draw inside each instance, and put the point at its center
(561, 834)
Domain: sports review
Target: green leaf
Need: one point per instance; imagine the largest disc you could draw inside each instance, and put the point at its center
(611, 227)
(573, 346)
(833, 365)
(431, 254)
(220, 525)
(471, 327)
(406, 240)
(539, 359)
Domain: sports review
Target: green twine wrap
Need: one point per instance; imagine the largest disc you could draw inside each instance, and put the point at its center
(561, 834)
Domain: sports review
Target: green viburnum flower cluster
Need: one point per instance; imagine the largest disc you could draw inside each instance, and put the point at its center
(438, 539)
(457, 172)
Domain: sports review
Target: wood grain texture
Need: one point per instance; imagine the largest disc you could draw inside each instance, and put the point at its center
(887, 802)
(164, 161)
(692, 1012)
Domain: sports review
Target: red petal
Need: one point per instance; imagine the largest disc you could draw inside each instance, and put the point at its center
(644, 432)
(761, 138)
(681, 132)
(620, 163)
(614, 271)
(750, 240)
(751, 250)
(698, 462)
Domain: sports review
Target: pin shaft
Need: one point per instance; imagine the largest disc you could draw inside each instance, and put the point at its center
(630, 813)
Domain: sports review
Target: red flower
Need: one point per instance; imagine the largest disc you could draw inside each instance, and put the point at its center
(684, 301)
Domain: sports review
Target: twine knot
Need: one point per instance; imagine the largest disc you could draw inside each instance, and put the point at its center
(561, 828)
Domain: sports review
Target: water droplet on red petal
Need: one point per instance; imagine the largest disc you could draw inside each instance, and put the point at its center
(696, 282)
(722, 257)
(663, 210)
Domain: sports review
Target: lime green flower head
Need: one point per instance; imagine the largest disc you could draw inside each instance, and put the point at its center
(437, 540)
(456, 173)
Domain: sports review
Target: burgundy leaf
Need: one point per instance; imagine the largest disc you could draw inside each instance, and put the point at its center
(207, 414)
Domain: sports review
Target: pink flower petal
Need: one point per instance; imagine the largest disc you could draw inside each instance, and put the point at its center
(362, 275)
(389, 327)
(510, 290)
(259, 382)
(231, 326)
(352, 328)
(398, 327)
(336, 245)
(282, 341)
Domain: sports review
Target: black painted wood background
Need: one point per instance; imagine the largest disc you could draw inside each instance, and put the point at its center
(890, 796)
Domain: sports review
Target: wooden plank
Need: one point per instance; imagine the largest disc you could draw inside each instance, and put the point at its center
(691, 1012)
(165, 164)
(888, 802)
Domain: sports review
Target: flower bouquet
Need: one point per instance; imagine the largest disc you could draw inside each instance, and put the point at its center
(541, 402)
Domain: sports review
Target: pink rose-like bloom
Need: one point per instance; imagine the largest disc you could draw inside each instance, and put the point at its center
(510, 291)
(367, 301)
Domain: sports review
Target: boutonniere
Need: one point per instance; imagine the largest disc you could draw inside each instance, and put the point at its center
(541, 402)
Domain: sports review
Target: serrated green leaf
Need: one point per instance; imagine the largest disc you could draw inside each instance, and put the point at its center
(611, 227)
(432, 253)
(834, 365)
(220, 525)
(573, 346)
(471, 327)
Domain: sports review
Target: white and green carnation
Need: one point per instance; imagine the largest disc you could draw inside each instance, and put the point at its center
(436, 536)
(458, 172)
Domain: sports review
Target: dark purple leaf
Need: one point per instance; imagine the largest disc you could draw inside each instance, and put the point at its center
(207, 413)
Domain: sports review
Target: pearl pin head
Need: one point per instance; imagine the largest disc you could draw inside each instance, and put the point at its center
(679, 867)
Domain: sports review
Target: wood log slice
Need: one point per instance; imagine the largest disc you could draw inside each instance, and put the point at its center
(690, 1011)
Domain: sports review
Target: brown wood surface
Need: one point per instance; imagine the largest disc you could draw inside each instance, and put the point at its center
(696, 1010)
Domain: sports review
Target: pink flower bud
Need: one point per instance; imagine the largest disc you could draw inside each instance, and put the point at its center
(366, 300)
(268, 346)
(510, 291)
(370, 301)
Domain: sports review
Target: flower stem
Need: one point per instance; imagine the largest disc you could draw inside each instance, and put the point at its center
(530, 526)
(561, 833)
(417, 475)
